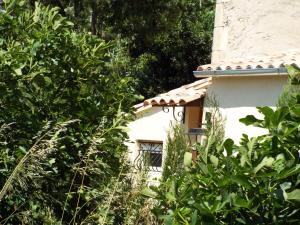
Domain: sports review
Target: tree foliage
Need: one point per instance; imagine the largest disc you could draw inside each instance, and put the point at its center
(168, 38)
(65, 99)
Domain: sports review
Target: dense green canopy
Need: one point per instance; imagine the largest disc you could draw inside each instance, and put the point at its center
(65, 99)
(168, 38)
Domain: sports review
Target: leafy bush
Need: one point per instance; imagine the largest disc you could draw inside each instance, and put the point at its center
(62, 104)
(177, 145)
(256, 182)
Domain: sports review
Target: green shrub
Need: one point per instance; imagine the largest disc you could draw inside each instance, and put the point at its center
(62, 116)
(177, 145)
(256, 182)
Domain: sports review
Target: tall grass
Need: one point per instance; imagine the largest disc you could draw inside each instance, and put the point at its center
(43, 146)
(117, 202)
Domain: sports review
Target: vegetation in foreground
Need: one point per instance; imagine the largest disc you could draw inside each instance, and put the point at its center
(65, 100)
(67, 86)
(68, 78)
(255, 182)
(66, 97)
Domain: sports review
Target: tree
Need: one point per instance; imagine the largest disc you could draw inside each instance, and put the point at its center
(168, 39)
(65, 100)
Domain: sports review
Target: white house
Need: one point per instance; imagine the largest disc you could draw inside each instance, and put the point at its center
(253, 41)
(148, 133)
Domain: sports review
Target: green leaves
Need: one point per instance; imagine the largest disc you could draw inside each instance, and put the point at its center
(178, 153)
(228, 145)
(293, 195)
(18, 71)
(36, 12)
(51, 73)
(294, 74)
(279, 163)
(266, 162)
(250, 120)
(214, 160)
(246, 184)
(149, 193)
(187, 161)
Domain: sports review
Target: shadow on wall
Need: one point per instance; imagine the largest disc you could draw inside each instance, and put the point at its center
(168, 114)
(149, 112)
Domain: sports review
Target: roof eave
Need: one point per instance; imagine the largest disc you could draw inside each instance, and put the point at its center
(241, 72)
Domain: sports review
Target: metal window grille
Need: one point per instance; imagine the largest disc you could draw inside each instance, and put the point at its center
(150, 156)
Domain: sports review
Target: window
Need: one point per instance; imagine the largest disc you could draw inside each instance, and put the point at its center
(150, 154)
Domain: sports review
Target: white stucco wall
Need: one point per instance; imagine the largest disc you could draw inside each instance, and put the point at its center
(151, 125)
(255, 28)
(251, 30)
(238, 97)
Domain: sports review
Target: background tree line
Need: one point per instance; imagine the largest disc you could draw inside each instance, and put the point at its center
(167, 39)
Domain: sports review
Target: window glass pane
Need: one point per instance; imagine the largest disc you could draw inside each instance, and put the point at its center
(151, 154)
(155, 159)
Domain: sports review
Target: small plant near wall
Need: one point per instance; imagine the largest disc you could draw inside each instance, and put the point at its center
(214, 126)
(255, 182)
(176, 147)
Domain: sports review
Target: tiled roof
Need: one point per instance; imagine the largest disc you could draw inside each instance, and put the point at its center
(276, 61)
(177, 97)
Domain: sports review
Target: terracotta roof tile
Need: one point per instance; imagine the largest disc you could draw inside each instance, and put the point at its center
(177, 97)
(275, 61)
